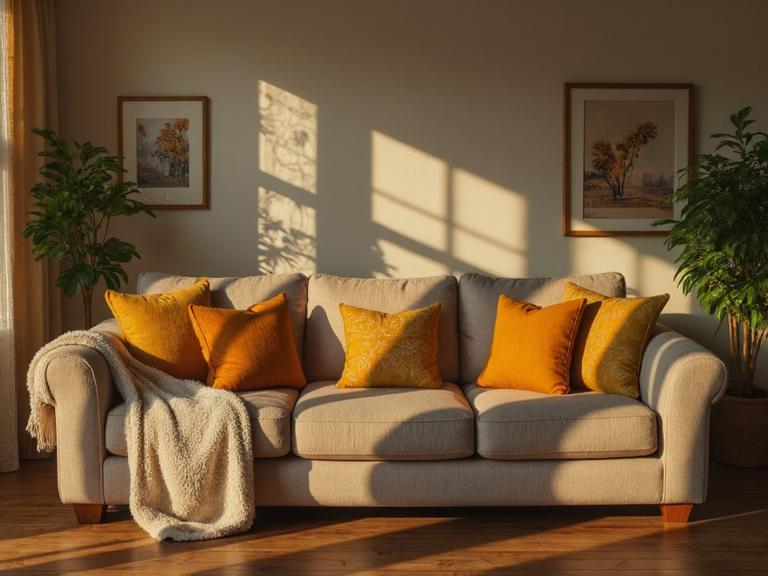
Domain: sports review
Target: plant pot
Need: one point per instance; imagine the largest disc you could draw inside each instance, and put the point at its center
(739, 431)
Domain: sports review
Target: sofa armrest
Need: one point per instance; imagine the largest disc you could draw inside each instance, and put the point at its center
(80, 381)
(680, 380)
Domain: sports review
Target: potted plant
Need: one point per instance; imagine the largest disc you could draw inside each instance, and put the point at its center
(74, 204)
(723, 236)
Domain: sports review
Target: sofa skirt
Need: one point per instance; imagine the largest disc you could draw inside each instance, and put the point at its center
(293, 481)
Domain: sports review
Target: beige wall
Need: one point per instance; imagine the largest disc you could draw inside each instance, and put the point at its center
(437, 125)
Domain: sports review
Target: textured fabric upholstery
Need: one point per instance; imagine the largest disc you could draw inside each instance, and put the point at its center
(525, 425)
(332, 423)
(270, 415)
(80, 382)
(324, 343)
(679, 380)
(479, 296)
(292, 481)
(241, 293)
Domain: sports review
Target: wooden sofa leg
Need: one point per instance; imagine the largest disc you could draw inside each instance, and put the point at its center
(89, 513)
(676, 512)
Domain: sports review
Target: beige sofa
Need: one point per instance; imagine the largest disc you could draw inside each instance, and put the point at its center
(458, 446)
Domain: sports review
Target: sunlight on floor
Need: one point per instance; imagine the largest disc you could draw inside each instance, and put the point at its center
(65, 546)
(44, 538)
(392, 543)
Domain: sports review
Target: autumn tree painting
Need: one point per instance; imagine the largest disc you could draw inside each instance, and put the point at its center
(162, 152)
(629, 158)
(615, 165)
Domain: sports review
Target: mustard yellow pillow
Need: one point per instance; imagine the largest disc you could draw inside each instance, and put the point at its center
(249, 349)
(611, 340)
(390, 349)
(532, 346)
(157, 329)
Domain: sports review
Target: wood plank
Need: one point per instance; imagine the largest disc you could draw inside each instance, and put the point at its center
(729, 534)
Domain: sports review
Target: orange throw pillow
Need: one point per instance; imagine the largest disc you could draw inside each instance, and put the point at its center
(157, 330)
(249, 349)
(532, 346)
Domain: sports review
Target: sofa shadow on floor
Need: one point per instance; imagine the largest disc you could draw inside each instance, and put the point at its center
(142, 549)
(492, 541)
(725, 536)
(409, 545)
(532, 539)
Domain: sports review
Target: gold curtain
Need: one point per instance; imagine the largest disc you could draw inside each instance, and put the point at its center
(37, 305)
(9, 438)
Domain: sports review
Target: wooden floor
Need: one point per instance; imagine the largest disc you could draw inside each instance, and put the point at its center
(728, 535)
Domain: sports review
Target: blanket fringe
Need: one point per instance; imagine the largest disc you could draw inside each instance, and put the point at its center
(44, 428)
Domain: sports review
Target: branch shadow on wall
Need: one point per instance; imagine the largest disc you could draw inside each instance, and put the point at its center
(288, 172)
(288, 197)
(425, 215)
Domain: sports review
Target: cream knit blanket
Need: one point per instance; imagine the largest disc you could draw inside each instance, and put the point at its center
(189, 446)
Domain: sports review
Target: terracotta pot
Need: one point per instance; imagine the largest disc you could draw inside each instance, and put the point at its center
(739, 431)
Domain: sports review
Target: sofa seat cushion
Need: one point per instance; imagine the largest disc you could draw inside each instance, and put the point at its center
(269, 412)
(332, 423)
(524, 425)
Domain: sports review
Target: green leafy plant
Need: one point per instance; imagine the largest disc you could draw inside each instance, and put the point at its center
(723, 236)
(74, 204)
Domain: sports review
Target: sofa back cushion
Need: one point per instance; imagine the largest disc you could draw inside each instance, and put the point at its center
(479, 297)
(241, 293)
(324, 340)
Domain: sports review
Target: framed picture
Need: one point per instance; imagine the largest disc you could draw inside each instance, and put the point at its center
(164, 144)
(624, 146)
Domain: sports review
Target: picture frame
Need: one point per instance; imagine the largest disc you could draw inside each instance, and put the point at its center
(624, 145)
(163, 143)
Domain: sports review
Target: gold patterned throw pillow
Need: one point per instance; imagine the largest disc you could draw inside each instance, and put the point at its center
(390, 349)
(611, 340)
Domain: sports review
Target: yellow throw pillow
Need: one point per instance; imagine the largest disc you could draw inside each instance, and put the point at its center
(611, 340)
(158, 331)
(249, 349)
(532, 346)
(390, 349)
